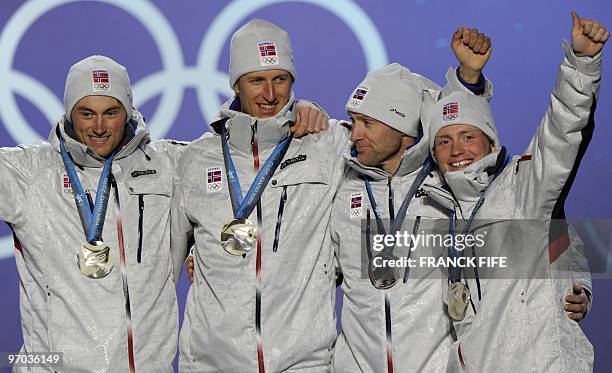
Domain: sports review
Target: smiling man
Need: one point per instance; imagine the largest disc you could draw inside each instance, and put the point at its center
(459, 145)
(515, 321)
(264, 93)
(89, 209)
(383, 317)
(256, 203)
(99, 123)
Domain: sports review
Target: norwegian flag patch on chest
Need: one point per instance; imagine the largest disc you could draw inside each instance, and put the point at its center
(214, 179)
(356, 207)
(66, 184)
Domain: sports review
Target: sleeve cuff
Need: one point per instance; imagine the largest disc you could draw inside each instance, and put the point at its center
(587, 65)
(478, 88)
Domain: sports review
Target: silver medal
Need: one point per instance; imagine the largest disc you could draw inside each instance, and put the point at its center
(95, 260)
(239, 236)
(383, 276)
(458, 299)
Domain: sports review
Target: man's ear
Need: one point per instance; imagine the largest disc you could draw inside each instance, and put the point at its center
(236, 89)
(493, 148)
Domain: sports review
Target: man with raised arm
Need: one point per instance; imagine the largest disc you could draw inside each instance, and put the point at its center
(511, 319)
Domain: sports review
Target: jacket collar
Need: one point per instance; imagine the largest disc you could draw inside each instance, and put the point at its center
(136, 135)
(270, 131)
(412, 160)
(469, 183)
(464, 187)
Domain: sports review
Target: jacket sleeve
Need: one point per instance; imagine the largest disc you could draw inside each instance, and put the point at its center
(562, 137)
(341, 137)
(174, 149)
(181, 229)
(15, 182)
(453, 85)
(433, 92)
(579, 266)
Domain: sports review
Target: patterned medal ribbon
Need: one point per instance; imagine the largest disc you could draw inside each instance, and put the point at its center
(388, 331)
(124, 279)
(260, 358)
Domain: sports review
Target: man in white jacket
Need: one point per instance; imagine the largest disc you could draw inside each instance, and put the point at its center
(515, 321)
(379, 324)
(95, 285)
(263, 294)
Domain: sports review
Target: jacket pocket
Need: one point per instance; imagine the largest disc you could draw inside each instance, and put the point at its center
(149, 204)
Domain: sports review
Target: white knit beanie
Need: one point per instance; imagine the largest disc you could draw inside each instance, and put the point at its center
(98, 76)
(462, 108)
(260, 45)
(390, 95)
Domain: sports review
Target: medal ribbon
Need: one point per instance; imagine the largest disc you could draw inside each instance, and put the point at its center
(396, 224)
(388, 331)
(455, 275)
(243, 206)
(93, 221)
(260, 358)
(124, 280)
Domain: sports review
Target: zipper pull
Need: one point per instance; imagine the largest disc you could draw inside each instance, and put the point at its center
(141, 207)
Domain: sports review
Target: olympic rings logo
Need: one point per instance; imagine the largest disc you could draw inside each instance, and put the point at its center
(269, 60)
(450, 117)
(355, 103)
(101, 86)
(356, 212)
(214, 187)
(174, 77)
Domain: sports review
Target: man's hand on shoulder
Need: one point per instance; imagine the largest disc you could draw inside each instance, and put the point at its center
(310, 119)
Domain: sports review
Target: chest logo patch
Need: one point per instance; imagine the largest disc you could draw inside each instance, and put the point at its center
(356, 208)
(214, 179)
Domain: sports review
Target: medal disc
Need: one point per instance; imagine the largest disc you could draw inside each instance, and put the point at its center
(458, 299)
(95, 260)
(383, 276)
(239, 236)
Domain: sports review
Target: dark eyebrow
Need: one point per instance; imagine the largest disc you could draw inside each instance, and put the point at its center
(84, 108)
(447, 136)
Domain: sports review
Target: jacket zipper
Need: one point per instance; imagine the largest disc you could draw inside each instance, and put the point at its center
(391, 205)
(124, 279)
(281, 208)
(259, 339)
(141, 207)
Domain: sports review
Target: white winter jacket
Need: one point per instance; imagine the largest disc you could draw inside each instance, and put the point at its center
(64, 311)
(297, 268)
